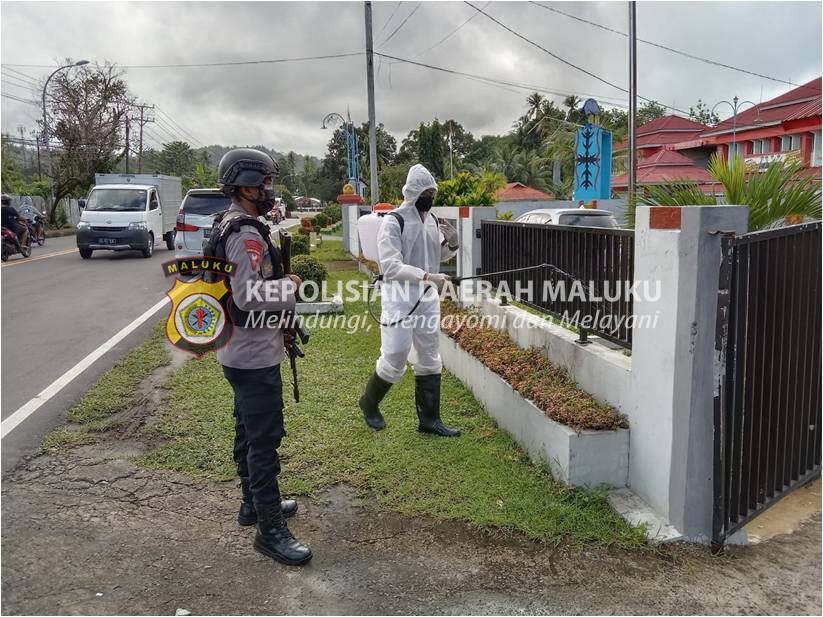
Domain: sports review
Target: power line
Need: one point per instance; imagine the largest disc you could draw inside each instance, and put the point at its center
(386, 23)
(571, 64)
(402, 23)
(22, 85)
(209, 64)
(501, 82)
(16, 79)
(21, 100)
(450, 34)
(671, 49)
(23, 75)
(170, 119)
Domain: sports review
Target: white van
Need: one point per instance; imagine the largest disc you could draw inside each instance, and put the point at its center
(129, 212)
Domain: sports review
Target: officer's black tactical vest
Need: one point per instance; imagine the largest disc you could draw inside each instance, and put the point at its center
(216, 247)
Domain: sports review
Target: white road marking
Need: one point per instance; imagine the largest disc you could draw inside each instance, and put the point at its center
(14, 420)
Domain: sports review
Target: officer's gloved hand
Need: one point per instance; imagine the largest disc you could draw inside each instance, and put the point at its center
(438, 280)
(449, 234)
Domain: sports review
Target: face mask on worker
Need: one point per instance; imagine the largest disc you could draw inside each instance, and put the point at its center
(424, 203)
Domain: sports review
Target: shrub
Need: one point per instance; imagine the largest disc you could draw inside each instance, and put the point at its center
(303, 232)
(467, 189)
(505, 216)
(309, 268)
(300, 245)
(321, 220)
(307, 224)
(334, 212)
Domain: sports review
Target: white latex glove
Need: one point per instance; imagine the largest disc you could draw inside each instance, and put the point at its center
(449, 233)
(438, 280)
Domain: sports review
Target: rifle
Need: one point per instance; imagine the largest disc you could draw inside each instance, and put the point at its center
(292, 323)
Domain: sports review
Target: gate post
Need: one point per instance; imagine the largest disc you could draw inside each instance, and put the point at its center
(673, 363)
(721, 346)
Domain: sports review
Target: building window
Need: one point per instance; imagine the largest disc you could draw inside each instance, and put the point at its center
(816, 149)
(789, 143)
(760, 146)
(735, 150)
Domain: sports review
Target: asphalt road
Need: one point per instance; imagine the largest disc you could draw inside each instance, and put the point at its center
(56, 309)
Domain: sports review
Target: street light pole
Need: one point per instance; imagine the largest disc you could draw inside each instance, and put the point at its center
(352, 161)
(735, 107)
(45, 118)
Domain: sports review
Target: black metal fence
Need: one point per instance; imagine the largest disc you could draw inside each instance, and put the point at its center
(602, 260)
(768, 408)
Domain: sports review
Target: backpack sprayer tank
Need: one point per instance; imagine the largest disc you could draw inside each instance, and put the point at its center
(368, 227)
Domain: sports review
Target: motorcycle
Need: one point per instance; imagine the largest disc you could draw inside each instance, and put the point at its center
(12, 246)
(37, 225)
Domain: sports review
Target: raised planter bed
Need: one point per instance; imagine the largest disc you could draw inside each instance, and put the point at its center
(588, 458)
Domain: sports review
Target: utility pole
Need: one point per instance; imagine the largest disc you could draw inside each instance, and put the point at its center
(451, 158)
(37, 143)
(22, 143)
(127, 143)
(143, 120)
(374, 192)
(632, 98)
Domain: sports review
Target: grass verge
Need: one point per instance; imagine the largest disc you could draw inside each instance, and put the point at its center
(482, 477)
(112, 393)
(331, 250)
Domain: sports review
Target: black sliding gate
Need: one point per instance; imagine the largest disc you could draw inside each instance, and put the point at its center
(768, 404)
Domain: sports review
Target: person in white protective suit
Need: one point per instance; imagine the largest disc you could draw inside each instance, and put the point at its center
(409, 258)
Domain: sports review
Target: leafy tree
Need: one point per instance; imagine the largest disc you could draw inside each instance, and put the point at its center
(12, 178)
(651, 110)
(701, 113)
(176, 159)
(467, 189)
(203, 178)
(87, 106)
(392, 179)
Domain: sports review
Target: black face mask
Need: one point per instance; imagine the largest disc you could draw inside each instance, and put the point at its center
(424, 203)
(265, 201)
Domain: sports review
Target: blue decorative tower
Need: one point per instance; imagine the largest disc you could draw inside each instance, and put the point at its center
(593, 157)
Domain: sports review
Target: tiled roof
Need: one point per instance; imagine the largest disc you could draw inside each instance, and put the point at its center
(665, 166)
(517, 191)
(784, 107)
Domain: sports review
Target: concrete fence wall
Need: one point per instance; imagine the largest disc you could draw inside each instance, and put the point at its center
(665, 387)
(70, 206)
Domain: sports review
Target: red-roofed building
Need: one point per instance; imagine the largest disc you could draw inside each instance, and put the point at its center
(788, 125)
(665, 166)
(517, 191)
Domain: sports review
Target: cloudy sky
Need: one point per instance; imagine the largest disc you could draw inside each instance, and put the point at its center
(282, 104)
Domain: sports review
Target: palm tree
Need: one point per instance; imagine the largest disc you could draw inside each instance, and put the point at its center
(535, 103)
(777, 195)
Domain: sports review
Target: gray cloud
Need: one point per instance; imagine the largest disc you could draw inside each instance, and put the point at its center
(281, 105)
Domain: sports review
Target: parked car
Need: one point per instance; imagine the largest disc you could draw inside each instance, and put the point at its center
(575, 217)
(195, 220)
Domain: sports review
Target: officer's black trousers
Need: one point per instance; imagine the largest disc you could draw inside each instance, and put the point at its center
(258, 430)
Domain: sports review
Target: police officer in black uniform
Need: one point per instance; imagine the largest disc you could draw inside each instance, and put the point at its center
(251, 359)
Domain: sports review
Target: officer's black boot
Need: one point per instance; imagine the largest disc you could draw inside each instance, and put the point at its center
(376, 389)
(427, 400)
(247, 516)
(274, 539)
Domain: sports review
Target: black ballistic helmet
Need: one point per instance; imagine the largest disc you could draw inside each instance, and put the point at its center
(245, 167)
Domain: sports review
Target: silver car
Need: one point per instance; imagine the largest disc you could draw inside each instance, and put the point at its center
(575, 217)
(195, 219)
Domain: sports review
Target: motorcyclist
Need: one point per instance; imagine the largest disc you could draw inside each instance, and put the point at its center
(11, 220)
